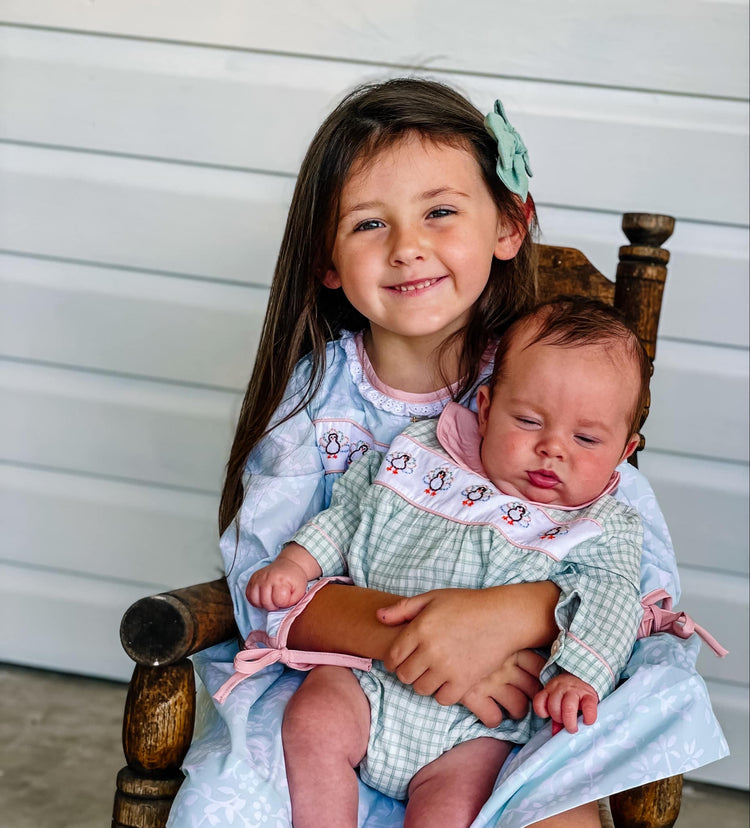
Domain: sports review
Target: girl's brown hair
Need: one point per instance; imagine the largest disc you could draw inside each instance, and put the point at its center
(303, 315)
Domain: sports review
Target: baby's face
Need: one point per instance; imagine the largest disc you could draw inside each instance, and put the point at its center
(558, 421)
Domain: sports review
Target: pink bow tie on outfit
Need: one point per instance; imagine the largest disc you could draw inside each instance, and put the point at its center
(254, 658)
(663, 619)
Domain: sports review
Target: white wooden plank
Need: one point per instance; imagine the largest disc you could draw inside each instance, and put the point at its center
(699, 401)
(706, 295)
(689, 46)
(687, 486)
(693, 384)
(115, 426)
(64, 622)
(228, 224)
(108, 529)
(142, 214)
(260, 111)
(719, 603)
(130, 322)
(730, 706)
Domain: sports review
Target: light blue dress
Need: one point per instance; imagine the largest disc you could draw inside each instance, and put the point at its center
(658, 723)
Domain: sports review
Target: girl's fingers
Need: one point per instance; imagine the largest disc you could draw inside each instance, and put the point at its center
(403, 611)
(528, 683)
(428, 684)
(411, 669)
(402, 649)
(530, 662)
(541, 705)
(484, 707)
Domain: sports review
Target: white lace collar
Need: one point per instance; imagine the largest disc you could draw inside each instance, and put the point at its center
(420, 406)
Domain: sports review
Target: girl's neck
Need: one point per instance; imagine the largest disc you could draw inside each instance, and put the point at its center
(411, 364)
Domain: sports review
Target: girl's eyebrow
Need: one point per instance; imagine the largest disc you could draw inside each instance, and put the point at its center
(438, 191)
(425, 196)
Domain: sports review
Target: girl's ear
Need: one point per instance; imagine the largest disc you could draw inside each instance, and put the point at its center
(331, 279)
(509, 240)
(484, 396)
(631, 446)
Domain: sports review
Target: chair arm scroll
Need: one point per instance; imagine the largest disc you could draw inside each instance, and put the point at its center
(163, 629)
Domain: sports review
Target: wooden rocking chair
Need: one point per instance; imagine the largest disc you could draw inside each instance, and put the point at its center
(161, 631)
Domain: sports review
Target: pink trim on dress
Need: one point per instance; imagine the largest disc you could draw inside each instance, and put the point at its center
(440, 395)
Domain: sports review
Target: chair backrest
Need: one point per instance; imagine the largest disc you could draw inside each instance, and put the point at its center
(639, 281)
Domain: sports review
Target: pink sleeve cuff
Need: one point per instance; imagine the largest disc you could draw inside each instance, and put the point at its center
(261, 650)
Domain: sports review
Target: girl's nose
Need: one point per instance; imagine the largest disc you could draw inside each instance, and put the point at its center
(407, 247)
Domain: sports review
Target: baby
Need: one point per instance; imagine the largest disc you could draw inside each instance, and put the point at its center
(518, 491)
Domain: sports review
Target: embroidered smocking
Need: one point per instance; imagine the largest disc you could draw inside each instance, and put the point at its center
(376, 397)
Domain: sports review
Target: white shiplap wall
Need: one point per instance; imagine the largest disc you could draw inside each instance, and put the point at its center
(147, 158)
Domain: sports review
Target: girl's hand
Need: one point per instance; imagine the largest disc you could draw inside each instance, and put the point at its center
(507, 691)
(457, 638)
(278, 585)
(561, 700)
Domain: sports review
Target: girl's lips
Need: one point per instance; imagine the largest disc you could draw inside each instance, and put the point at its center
(543, 479)
(416, 285)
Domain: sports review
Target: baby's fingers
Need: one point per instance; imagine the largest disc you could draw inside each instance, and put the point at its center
(589, 705)
(568, 714)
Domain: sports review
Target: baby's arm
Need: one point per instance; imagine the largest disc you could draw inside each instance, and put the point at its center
(283, 582)
(563, 697)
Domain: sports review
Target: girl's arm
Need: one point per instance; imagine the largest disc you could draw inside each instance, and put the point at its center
(462, 645)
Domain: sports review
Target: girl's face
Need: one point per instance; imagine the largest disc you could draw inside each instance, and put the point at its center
(558, 421)
(416, 235)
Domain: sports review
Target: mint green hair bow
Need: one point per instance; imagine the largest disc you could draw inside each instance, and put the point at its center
(513, 159)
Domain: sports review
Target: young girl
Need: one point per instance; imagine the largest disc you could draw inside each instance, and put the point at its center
(406, 253)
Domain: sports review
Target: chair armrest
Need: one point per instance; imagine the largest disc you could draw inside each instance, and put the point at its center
(162, 629)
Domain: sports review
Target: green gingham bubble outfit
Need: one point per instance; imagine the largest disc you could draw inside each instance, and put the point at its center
(422, 516)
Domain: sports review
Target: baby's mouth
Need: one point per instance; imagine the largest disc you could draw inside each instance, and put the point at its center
(543, 478)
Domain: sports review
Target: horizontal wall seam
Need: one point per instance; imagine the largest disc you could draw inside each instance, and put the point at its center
(406, 67)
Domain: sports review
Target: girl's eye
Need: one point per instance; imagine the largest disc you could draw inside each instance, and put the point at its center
(369, 224)
(440, 212)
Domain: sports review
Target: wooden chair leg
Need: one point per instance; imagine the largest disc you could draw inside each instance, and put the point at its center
(654, 805)
(157, 729)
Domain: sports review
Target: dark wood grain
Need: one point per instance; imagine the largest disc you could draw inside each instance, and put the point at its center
(654, 805)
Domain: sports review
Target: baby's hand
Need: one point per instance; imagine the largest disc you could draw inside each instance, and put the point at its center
(562, 698)
(280, 584)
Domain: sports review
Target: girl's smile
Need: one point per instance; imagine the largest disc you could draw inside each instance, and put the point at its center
(416, 235)
(417, 287)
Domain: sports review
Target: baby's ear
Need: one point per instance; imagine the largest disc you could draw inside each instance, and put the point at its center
(484, 401)
(331, 279)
